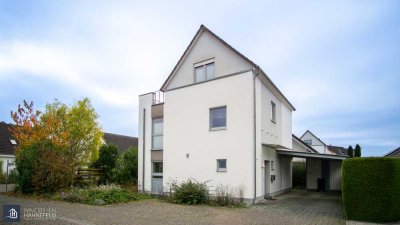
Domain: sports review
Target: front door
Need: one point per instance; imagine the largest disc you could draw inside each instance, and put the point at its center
(267, 178)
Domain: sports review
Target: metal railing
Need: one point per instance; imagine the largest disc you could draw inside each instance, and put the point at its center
(158, 97)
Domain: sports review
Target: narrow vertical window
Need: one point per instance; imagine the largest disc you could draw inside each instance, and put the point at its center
(221, 165)
(157, 142)
(273, 114)
(210, 71)
(218, 118)
(199, 74)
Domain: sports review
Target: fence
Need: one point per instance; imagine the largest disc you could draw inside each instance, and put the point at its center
(88, 176)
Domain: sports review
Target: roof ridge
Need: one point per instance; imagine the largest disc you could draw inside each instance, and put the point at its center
(204, 28)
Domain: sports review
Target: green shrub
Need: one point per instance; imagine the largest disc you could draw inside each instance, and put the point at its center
(107, 162)
(25, 161)
(190, 192)
(299, 175)
(371, 189)
(127, 167)
(110, 194)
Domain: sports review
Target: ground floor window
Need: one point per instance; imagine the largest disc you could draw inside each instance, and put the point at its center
(221, 165)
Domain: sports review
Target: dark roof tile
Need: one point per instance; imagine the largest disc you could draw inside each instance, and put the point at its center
(121, 141)
(6, 148)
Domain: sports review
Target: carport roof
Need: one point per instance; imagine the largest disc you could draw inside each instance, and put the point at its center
(310, 155)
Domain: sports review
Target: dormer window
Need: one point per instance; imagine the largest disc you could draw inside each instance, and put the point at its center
(204, 72)
(13, 142)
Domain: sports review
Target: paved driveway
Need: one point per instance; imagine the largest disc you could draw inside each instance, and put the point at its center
(293, 208)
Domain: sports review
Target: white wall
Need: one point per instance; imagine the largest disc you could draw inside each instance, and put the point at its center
(296, 146)
(207, 47)
(313, 173)
(335, 175)
(280, 132)
(145, 102)
(282, 171)
(186, 131)
(3, 159)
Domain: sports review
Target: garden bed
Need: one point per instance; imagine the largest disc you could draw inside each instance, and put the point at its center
(96, 195)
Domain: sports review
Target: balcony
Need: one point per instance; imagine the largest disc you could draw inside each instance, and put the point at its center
(158, 97)
(157, 109)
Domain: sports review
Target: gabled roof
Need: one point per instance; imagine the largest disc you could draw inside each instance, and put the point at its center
(394, 153)
(121, 141)
(312, 135)
(305, 144)
(6, 147)
(337, 150)
(198, 33)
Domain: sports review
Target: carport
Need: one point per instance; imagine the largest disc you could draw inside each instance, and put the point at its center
(323, 168)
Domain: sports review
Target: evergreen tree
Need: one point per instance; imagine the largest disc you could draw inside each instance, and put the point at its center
(357, 151)
(350, 152)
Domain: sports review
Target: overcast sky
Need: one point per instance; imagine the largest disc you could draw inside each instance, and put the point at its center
(338, 62)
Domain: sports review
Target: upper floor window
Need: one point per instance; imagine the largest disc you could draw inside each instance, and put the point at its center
(204, 72)
(218, 118)
(273, 114)
(309, 142)
(157, 141)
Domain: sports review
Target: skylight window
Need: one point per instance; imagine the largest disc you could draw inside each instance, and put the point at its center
(13, 142)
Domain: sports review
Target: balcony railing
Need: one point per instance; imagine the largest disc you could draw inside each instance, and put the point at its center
(158, 97)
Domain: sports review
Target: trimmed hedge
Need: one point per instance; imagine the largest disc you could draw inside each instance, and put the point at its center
(299, 175)
(371, 189)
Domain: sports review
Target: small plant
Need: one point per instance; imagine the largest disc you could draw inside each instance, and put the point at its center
(227, 196)
(71, 197)
(190, 192)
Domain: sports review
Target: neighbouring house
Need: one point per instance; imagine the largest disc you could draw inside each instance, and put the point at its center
(394, 153)
(312, 140)
(337, 150)
(7, 147)
(218, 118)
(122, 142)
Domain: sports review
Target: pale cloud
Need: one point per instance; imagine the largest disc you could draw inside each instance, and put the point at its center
(112, 52)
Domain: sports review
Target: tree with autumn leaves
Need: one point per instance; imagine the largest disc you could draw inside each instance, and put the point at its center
(53, 144)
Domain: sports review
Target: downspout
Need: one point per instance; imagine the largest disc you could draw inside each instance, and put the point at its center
(144, 144)
(255, 134)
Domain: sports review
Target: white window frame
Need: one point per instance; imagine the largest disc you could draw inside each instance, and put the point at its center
(222, 169)
(203, 65)
(156, 135)
(273, 112)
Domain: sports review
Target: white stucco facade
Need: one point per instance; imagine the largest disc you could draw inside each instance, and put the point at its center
(258, 122)
(11, 160)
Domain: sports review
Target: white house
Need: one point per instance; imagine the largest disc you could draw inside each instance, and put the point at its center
(312, 140)
(7, 148)
(218, 118)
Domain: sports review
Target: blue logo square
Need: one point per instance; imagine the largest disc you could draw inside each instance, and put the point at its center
(11, 213)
